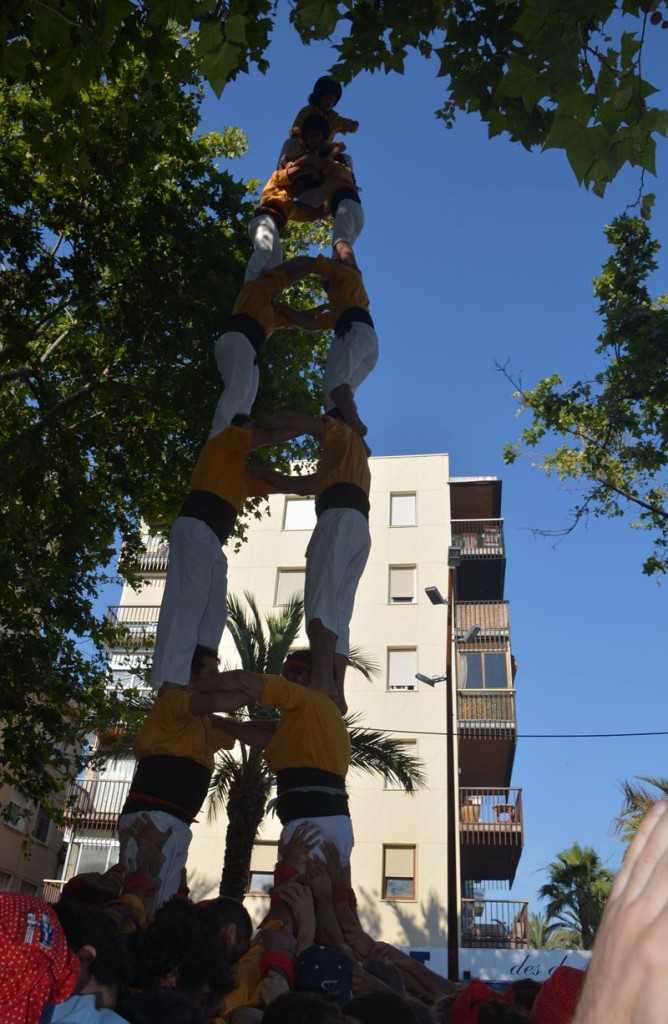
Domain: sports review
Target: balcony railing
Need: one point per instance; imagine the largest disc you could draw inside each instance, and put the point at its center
(155, 555)
(492, 618)
(95, 804)
(486, 711)
(490, 816)
(495, 924)
(51, 889)
(139, 623)
(478, 538)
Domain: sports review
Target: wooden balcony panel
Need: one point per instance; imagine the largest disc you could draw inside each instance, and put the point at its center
(494, 924)
(493, 617)
(478, 538)
(491, 832)
(488, 712)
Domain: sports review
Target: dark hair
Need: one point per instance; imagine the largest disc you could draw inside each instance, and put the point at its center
(202, 652)
(525, 992)
(379, 1007)
(386, 972)
(240, 419)
(179, 940)
(314, 123)
(85, 925)
(223, 911)
(495, 1011)
(163, 1006)
(322, 87)
(302, 1008)
(301, 659)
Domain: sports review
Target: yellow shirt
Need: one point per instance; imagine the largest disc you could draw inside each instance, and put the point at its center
(311, 732)
(254, 300)
(171, 728)
(278, 192)
(221, 468)
(335, 121)
(346, 289)
(343, 458)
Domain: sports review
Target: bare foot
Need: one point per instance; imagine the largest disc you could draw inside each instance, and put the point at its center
(344, 254)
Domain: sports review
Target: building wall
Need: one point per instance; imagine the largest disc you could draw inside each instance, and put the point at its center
(24, 870)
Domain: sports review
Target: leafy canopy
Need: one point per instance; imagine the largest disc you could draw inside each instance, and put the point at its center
(614, 428)
(565, 74)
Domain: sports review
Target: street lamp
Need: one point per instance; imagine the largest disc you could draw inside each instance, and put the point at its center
(452, 883)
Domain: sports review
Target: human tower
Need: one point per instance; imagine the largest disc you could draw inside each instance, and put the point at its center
(308, 747)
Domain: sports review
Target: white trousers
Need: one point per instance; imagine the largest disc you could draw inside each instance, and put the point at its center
(335, 828)
(237, 364)
(166, 834)
(267, 250)
(350, 359)
(194, 606)
(348, 222)
(335, 560)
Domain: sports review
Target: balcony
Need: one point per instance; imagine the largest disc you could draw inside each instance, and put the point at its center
(155, 556)
(486, 725)
(481, 573)
(93, 805)
(495, 924)
(138, 624)
(491, 832)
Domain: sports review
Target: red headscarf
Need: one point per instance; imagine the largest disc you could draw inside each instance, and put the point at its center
(466, 1007)
(557, 999)
(36, 966)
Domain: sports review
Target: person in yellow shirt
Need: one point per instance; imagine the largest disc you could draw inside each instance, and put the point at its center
(174, 750)
(326, 94)
(353, 352)
(340, 543)
(252, 322)
(194, 605)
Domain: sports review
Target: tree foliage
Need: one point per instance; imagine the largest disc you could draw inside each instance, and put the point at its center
(123, 247)
(638, 802)
(615, 426)
(577, 891)
(544, 934)
(565, 75)
(241, 781)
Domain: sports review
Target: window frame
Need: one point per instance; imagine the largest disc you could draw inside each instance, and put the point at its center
(403, 494)
(401, 687)
(292, 501)
(287, 570)
(483, 652)
(393, 898)
(400, 600)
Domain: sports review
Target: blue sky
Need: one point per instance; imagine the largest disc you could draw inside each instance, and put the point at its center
(475, 251)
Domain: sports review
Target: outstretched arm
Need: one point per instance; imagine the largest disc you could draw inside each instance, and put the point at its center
(300, 422)
(307, 319)
(282, 483)
(255, 733)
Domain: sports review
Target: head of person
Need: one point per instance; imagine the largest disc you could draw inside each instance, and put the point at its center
(314, 131)
(379, 1007)
(163, 1006)
(37, 966)
(179, 950)
(326, 93)
(324, 970)
(230, 922)
(303, 1008)
(242, 419)
(204, 663)
(297, 667)
(96, 938)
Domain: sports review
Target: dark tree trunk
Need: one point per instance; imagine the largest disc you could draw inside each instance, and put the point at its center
(246, 803)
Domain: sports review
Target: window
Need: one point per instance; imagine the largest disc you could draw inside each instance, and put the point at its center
(93, 855)
(401, 669)
(42, 824)
(261, 874)
(289, 584)
(28, 888)
(408, 747)
(402, 510)
(402, 584)
(5, 881)
(480, 670)
(17, 812)
(398, 872)
(299, 514)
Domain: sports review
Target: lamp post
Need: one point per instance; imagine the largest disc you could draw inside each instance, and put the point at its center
(452, 802)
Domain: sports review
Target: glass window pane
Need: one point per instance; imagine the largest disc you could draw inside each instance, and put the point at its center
(470, 666)
(260, 881)
(402, 510)
(299, 514)
(399, 888)
(42, 823)
(290, 583)
(401, 669)
(496, 670)
(402, 584)
(93, 858)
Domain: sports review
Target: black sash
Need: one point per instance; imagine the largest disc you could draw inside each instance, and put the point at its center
(273, 211)
(343, 496)
(163, 782)
(350, 316)
(343, 193)
(249, 326)
(218, 514)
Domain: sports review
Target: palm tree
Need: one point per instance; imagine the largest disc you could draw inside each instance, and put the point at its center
(546, 935)
(242, 781)
(638, 800)
(577, 891)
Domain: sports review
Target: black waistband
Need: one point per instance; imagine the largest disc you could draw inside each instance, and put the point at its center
(293, 778)
(218, 514)
(350, 316)
(249, 326)
(310, 805)
(274, 211)
(162, 782)
(343, 193)
(343, 496)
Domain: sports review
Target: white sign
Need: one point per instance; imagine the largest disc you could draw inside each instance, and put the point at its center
(501, 964)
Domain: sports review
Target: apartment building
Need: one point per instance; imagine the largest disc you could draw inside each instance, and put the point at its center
(431, 614)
